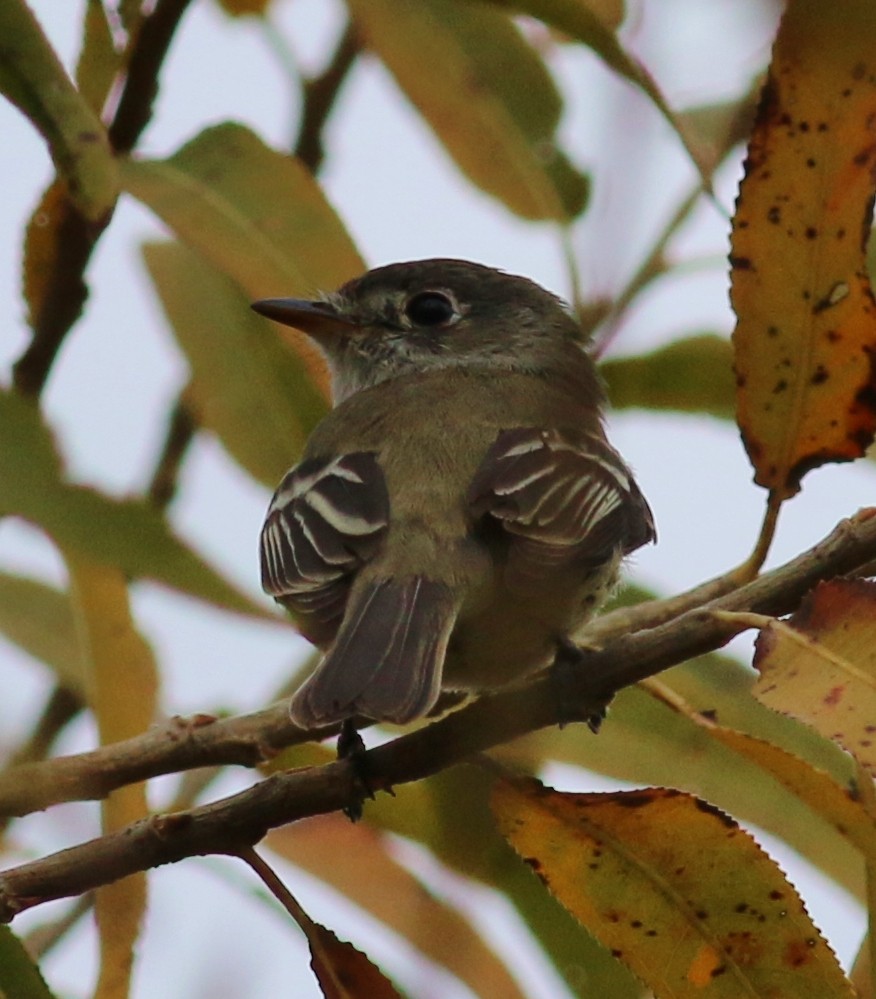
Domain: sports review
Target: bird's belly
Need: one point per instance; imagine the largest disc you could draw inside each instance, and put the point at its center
(512, 635)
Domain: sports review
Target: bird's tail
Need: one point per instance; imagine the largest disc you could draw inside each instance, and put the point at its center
(387, 659)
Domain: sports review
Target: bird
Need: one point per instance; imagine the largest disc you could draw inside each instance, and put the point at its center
(459, 514)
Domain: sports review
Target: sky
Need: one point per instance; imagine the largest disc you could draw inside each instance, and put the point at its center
(402, 199)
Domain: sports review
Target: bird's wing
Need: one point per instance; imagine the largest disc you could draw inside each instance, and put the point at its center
(327, 518)
(564, 497)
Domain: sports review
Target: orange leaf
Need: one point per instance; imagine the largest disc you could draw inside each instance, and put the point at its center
(820, 666)
(675, 888)
(805, 337)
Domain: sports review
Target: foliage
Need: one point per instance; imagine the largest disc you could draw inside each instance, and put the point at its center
(656, 891)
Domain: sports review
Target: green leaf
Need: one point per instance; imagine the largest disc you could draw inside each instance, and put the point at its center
(694, 375)
(255, 214)
(33, 79)
(585, 24)
(249, 389)
(20, 978)
(243, 8)
(126, 533)
(485, 93)
(99, 60)
(39, 619)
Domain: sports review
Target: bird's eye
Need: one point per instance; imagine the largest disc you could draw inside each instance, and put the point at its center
(430, 308)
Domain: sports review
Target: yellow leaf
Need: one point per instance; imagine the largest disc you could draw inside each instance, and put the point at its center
(837, 805)
(122, 688)
(675, 888)
(820, 666)
(805, 337)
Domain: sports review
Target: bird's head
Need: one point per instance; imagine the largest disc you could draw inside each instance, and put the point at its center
(426, 314)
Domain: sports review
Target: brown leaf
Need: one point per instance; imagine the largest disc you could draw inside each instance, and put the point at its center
(675, 888)
(356, 861)
(805, 338)
(343, 971)
(820, 665)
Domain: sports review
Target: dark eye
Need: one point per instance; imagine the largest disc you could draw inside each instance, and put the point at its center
(430, 308)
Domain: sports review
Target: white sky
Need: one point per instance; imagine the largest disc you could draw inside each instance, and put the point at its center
(401, 199)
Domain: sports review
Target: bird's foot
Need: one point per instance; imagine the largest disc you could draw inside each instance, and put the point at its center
(351, 746)
(568, 662)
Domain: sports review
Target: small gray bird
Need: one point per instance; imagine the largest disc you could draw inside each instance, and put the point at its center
(459, 513)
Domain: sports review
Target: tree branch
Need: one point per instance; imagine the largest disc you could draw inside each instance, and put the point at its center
(181, 429)
(66, 290)
(320, 94)
(231, 825)
(141, 84)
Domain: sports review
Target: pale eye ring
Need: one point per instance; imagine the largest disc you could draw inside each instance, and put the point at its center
(430, 308)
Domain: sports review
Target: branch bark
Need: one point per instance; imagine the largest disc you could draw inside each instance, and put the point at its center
(232, 825)
(66, 290)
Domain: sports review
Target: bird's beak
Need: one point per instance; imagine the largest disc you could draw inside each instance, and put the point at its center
(317, 319)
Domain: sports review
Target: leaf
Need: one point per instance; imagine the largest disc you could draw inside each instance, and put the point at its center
(255, 214)
(693, 375)
(450, 816)
(586, 23)
(805, 337)
(836, 804)
(126, 533)
(243, 8)
(99, 60)
(39, 619)
(20, 977)
(485, 93)
(46, 239)
(248, 388)
(123, 682)
(820, 665)
(680, 893)
(33, 79)
(356, 862)
(646, 740)
(343, 971)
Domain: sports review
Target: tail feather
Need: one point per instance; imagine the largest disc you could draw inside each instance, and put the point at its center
(387, 659)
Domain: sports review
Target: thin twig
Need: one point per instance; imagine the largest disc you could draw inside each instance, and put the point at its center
(62, 706)
(65, 289)
(181, 431)
(141, 83)
(651, 267)
(320, 94)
